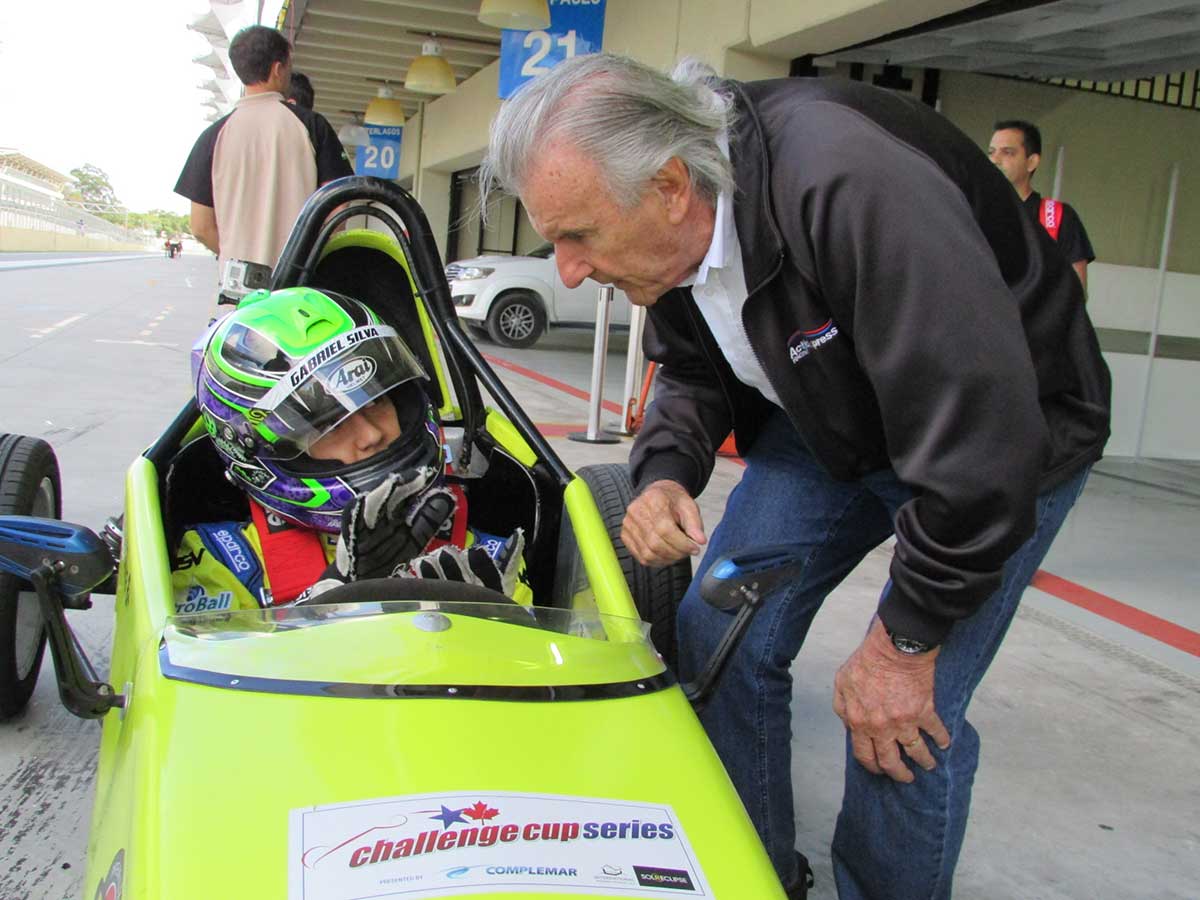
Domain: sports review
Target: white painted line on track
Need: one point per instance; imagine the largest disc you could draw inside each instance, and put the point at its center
(69, 261)
(43, 332)
(138, 343)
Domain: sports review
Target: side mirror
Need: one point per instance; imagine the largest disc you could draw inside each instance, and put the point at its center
(78, 557)
(740, 581)
(63, 562)
(742, 578)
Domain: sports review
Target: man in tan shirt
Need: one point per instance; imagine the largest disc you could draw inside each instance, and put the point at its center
(250, 172)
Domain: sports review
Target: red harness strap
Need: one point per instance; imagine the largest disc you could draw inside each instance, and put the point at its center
(458, 526)
(1050, 215)
(294, 557)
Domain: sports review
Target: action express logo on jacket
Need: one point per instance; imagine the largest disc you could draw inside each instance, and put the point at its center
(802, 343)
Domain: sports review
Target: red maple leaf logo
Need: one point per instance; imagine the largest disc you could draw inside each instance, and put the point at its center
(481, 812)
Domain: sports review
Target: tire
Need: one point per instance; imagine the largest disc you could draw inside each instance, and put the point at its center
(656, 591)
(30, 485)
(516, 319)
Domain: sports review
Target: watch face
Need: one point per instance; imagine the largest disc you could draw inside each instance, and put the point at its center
(909, 645)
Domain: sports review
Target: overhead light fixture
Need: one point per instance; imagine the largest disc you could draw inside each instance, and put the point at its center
(384, 108)
(429, 72)
(353, 134)
(518, 15)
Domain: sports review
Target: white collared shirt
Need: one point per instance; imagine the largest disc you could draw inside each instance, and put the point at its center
(719, 288)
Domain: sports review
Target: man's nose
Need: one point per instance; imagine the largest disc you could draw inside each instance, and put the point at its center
(572, 267)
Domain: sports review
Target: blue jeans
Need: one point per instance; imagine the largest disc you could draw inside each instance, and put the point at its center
(893, 841)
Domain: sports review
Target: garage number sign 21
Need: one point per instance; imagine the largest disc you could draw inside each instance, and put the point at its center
(576, 27)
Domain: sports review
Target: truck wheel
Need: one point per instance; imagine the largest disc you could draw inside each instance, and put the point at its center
(29, 486)
(516, 320)
(656, 591)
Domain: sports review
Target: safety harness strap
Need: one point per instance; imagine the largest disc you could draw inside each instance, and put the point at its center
(294, 557)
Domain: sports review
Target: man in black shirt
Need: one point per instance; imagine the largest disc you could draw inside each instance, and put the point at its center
(1016, 148)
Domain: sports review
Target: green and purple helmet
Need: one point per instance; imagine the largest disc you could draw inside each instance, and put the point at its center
(286, 368)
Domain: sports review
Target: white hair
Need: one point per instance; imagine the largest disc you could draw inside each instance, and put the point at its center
(625, 116)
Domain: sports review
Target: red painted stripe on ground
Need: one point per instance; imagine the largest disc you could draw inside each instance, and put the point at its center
(1094, 602)
(550, 382)
(1115, 611)
(553, 429)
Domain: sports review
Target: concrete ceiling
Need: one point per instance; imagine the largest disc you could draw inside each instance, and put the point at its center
(1100, 40)
(348, 48)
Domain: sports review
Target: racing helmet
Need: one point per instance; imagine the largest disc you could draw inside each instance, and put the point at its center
(286, 368)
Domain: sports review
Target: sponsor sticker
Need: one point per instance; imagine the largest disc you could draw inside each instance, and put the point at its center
(198, 600)
(111, 887)
(444, 845)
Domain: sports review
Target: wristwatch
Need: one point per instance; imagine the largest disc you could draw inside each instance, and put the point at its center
(908, 646)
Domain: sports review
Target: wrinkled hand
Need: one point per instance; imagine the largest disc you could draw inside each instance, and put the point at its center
(471, 566)
(663, 524)
(885, 698)
(390, 524)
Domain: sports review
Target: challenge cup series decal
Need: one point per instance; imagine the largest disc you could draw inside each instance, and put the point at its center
(450, 844)
(802, 343)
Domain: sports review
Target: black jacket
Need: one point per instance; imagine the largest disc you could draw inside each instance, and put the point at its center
(908, 314)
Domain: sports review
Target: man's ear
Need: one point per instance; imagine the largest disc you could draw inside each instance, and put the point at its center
(1032, 161)
(673, 184)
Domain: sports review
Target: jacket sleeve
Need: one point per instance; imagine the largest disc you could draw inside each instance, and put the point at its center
(908, 272)
(690, 415)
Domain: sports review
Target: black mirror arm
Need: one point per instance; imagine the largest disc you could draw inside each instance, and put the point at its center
(81, 693)
(698, 691)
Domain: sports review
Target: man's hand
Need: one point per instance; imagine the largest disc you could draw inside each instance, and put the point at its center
(663, 525)
(391, 524)
(885, 697)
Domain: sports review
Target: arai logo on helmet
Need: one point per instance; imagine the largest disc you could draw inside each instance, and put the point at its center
(352, 374)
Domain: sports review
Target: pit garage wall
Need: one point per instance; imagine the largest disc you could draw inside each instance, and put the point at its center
(744, 39)
(1117, 157)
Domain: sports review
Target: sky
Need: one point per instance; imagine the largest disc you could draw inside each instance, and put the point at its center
(111, 84)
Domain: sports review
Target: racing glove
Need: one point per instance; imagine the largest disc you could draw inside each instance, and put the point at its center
(389, 524)
(473, 565)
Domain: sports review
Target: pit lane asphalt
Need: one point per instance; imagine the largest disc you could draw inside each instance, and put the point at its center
(1088, 786)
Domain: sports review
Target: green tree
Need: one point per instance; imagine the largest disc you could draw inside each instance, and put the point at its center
(94, 191)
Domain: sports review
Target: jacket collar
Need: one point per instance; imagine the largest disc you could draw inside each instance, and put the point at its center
(758, 231)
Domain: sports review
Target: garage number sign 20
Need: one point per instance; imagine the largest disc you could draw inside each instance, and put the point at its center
(380, 157)
(576, 27)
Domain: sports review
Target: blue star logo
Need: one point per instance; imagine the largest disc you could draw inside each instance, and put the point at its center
(449, 816)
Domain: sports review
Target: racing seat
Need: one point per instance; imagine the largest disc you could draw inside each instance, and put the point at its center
(507, 494)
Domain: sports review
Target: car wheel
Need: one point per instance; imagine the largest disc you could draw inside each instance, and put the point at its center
(656, 591)
(29, 486)
(516, 320)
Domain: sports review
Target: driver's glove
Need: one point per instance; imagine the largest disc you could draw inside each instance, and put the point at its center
(471, 566)
(388, 525)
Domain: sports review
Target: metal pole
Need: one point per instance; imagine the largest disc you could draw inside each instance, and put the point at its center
(1056, 192)
(599, 357)
(1152, 350)
(633, 365)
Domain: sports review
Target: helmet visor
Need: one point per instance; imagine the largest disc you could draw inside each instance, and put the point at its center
(328, 386)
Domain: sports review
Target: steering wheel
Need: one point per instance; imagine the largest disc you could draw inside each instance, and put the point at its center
(381, 590)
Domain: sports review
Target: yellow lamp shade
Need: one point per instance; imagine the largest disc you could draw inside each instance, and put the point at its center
(384, 109)
(519, 15)
(429, 72)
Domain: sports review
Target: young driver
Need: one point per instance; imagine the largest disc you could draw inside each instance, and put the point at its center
(316, 409)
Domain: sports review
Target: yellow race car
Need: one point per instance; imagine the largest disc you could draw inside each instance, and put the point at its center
(402, 738)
